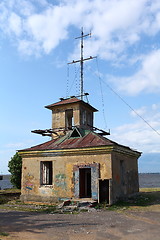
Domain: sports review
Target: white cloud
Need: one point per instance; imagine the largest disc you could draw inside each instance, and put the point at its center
(140, 135)
(115, 24)
(15, 24)
(146, 79)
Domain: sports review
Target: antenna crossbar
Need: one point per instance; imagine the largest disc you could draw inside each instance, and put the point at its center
(81, 60)
(89, 58)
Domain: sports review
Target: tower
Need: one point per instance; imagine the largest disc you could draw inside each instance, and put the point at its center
(69, 113)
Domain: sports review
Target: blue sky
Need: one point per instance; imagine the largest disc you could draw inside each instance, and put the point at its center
(37, 39)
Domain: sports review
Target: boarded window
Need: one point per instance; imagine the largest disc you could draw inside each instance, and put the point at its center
(46, 173)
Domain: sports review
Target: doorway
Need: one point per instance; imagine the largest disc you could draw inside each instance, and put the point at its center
(85, 183)
(104, 190)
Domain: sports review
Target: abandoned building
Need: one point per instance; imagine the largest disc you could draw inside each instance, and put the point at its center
(79, 161)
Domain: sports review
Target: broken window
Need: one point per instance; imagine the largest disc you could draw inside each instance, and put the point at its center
(46, 173)
(69, 122)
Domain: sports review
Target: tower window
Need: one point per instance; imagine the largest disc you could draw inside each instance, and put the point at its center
(84, 117)
(69, 118)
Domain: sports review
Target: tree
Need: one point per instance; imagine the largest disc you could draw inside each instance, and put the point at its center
(15, 168)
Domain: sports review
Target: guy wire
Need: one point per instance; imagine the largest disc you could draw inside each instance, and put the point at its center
(127, 104)
(102, 97)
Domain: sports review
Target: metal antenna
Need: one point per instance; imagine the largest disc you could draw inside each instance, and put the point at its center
(81, 60)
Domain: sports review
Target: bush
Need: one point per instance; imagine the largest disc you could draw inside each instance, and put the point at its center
(15, 168)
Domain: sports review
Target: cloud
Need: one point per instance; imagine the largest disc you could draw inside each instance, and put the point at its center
(139, 135)
(15, 24)
(116, 25)
(146, 79)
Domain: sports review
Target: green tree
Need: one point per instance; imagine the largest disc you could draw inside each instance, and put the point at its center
(15, 168)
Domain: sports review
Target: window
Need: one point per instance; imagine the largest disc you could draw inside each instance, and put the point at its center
(84, 117)
(69, 121)
(46, 173)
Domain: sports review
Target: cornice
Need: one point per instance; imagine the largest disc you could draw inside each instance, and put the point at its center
(81, 151)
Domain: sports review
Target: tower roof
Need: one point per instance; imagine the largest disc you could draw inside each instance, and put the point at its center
(70, 101)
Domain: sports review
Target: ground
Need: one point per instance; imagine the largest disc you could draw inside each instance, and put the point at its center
(138, 219)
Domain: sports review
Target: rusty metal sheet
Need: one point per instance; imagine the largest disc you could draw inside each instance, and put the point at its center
(90, 140)
(68, 101)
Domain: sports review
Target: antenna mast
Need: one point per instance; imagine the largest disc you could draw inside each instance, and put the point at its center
(81, 60)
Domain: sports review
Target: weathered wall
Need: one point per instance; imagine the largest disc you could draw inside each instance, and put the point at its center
(128, 183)
(63, 175)
(58, 118)
(58, 115)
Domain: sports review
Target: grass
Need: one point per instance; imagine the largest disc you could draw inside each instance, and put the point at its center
(10, 190)
(9, 199)
(4, 234)
(146, 197)
(9, 195)
(149, 189)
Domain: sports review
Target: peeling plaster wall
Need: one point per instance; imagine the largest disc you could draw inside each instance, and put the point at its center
(63, 175)
(58, 115)
(58, 118)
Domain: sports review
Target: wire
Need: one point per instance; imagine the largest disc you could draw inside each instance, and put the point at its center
(67, 88)
(124, 100)
(74, 80)
(104, 117)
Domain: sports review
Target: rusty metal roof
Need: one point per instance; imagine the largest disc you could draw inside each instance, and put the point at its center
(91, 139)
(87, 140)
(69, 101)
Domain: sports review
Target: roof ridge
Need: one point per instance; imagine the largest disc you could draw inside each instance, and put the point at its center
(103, 138)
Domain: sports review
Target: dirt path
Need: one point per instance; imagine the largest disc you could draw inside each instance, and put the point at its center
(96, 225)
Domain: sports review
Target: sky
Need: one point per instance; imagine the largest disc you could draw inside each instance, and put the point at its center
(37, 40)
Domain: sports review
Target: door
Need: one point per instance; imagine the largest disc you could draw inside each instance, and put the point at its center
(85, 178)
(104, 190)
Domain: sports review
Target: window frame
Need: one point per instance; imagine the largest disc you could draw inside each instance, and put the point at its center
(46, 173)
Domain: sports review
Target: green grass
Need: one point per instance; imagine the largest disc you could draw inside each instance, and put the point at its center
(145, 198)
(9, 199)
(149, 189)
(4, 234)
(10, 190)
